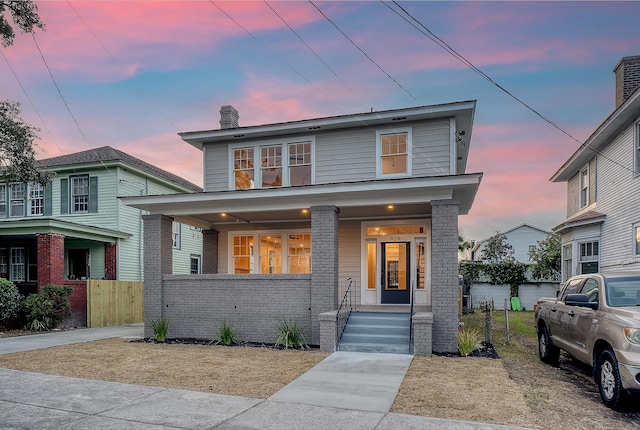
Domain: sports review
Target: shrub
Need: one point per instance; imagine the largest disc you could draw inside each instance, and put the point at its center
(290, 334)
(160, 328)
(468, 341)
(49, 307)
(226, 335)
(10, 300)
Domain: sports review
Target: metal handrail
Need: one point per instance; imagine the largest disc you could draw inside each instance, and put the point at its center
(343, 313)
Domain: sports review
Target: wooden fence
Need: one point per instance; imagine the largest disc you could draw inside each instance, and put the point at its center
(111, 303)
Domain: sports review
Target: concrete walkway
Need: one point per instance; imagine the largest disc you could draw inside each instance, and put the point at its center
(347, 390)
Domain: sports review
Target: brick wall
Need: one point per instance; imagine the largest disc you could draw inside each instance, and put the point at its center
(627, 73)
(324, 264)
(210, 251)
(444, 274)
(50, 259)
(197, 305)
(78, 301)
(110, 261)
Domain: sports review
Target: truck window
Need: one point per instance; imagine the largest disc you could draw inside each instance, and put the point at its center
(571, 287)
(623, 291)
(590, 288)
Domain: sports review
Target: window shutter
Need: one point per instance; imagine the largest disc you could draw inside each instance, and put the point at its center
(48, 200)
(93, 194)
(64, 196)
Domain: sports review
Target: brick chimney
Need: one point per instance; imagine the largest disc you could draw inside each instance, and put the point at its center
(627, 73)
(228, 117)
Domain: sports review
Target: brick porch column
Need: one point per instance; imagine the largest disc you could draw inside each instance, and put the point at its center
(110, 261)
(324, 265)
(50, 254)
(444, 274)
(210, 251)
(158, 254)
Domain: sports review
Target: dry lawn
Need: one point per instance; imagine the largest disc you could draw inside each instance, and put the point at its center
(515, 390)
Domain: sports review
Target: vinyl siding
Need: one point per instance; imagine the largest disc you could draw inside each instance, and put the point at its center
(349, 245)
(347, 155)
(618, 198)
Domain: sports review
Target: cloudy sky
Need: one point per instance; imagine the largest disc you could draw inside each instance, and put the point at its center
(132, 74)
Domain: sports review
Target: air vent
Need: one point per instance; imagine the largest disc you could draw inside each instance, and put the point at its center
(238, 135)
(399, 118)
(316, 127)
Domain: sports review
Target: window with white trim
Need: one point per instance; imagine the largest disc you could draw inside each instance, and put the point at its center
(16, 196)
(196, 268)
(16, 264)
(263, 165)
(275, 247)
(393, 152)
(176, 235)
(79, 194)
(567, 262)
(3, 200)
(636, 239)
(584, 187)
(36, 200)
(589, 256)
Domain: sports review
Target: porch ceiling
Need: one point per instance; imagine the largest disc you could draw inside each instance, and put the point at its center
(356, 200)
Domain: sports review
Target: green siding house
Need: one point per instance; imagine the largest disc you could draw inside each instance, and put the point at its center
(76, 228)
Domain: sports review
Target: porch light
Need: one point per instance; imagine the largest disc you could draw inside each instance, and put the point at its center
(305, 211)
(390, 207)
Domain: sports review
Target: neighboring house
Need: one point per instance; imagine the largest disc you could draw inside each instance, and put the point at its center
(523, 239)
(291, 211)
(75, 227)
(602, 229)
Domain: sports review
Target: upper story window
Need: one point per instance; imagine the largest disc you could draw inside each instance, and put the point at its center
(300, 163)
(584, 187)
(80, 194)
(263, 165)
(16, 197)
(36, 200)
(393, 152)
(3, 200)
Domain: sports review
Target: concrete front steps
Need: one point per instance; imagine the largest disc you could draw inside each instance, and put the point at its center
(385, 332)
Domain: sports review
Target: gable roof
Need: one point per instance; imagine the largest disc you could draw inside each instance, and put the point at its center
(604, 134)
(531, 226)
(107, 153)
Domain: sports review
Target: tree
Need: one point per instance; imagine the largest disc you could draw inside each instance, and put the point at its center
(547, 258)
(498, 248)
(24, 15)
(17, 153)
(463, 245)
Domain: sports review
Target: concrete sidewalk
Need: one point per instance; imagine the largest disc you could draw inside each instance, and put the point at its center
(345, 391)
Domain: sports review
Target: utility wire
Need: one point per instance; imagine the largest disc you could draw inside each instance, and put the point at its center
(425, 31)
(31, 101)
(316, 54)
(273, 52)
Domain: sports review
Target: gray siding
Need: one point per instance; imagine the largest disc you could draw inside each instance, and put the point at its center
(345, 156)
(216, 168)
(619, 199)
(349, 258)
(431, 149)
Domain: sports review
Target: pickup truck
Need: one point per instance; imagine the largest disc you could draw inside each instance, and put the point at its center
(596, 320)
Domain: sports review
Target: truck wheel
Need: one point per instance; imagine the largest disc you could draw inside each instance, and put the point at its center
(608, 379)
(549, 353)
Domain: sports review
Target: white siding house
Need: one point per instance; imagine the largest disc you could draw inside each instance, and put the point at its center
(602, 229)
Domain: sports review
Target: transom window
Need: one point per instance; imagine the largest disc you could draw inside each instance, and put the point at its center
(394, 153)
(274, 249)
(264, 165)
(80, 194)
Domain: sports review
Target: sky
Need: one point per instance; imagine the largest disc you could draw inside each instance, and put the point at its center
(133, 74)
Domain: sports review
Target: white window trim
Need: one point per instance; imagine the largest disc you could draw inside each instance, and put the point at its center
(30, 199)
(284, 247)
(3, 200)
(196, 257)
(379, 134)
(589, 259)
(176, 235)
(11, 199)
(257, 171)
(586, 202)
(72, 195)
(635, 238)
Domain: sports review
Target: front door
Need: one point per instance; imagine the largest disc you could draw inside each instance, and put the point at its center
(395, 272)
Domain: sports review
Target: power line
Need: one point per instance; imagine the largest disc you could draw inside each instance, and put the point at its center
(425, 31)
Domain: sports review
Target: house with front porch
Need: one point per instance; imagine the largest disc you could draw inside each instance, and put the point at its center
(601, 232)
(74, 228)
(293, 212)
